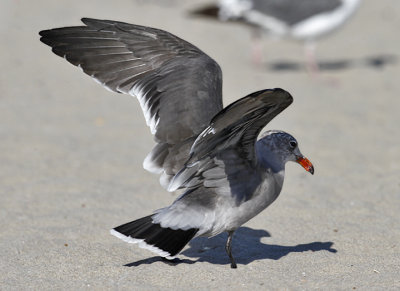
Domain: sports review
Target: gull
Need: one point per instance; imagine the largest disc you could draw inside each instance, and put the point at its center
(304, 20)
(211, 153)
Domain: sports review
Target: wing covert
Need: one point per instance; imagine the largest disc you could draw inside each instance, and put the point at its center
(224, 152)
(178, 86)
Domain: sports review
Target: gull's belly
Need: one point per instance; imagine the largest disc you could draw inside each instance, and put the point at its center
(229, 215)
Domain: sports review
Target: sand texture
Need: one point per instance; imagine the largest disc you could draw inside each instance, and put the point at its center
(71, 157)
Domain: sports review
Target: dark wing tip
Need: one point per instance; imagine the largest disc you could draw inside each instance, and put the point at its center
(88, 21)
(45, 33)
(46, 37)
(101, 24)
(85, 19)
(49, 37)
(271, 91)
(276, 95)
(285, 97)
(284, 92)
(59, 31)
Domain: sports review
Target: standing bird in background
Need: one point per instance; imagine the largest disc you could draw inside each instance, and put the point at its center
(305, 20)
(208, 151)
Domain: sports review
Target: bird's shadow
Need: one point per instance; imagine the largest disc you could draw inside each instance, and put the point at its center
(246, 248)
(373, 62)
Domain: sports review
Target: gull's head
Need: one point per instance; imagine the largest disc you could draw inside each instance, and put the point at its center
(282, 146)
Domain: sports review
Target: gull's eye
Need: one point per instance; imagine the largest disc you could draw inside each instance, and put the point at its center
(293, 144)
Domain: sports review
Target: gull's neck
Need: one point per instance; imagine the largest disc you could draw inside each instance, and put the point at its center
(269, 159)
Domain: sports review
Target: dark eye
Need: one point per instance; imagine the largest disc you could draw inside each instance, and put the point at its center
(293, 144)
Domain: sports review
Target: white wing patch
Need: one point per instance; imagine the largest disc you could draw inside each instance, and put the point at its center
(151, 121)
(233, 9)
(148, 165)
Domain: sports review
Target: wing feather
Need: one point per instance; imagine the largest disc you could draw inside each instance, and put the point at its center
(178, 86)
(223, 155)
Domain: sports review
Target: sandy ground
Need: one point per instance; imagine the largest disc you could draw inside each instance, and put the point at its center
(71, 159)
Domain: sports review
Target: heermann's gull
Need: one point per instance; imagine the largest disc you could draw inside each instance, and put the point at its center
(211, 153)
(304, 20)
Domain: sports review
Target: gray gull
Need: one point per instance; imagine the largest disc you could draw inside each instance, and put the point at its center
(209, 152)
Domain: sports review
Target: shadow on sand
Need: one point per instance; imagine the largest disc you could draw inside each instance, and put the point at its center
(247, 247)
(372, 62)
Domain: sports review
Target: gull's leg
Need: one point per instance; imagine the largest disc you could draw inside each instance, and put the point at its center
(228, 248)
(312, 64)
(257, 48)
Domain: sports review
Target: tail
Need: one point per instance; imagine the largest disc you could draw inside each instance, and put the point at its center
(166, 242)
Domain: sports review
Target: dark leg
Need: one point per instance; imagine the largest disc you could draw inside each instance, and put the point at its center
(228, 248)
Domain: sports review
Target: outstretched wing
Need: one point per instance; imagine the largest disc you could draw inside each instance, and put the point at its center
(178, 86)
(223, 156)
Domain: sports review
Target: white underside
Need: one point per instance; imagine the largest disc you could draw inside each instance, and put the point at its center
(152, 121)
(142, 244)
(320, 25)
(149, 166)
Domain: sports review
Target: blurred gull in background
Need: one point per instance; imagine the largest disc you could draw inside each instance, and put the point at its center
(304, 20)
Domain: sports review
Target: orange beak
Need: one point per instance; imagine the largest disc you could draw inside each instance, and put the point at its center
(306, 164)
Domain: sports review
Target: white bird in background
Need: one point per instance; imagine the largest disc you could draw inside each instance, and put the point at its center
(305, 20)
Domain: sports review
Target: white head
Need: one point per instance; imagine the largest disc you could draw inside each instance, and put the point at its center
(275, 148)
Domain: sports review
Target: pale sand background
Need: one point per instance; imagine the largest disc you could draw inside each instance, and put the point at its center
(71, 155)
